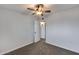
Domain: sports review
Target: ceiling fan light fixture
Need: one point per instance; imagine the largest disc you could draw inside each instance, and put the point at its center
(39, 9)
(38, 13)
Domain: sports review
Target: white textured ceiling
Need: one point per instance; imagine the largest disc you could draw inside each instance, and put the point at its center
(22, 8)
(62, 7)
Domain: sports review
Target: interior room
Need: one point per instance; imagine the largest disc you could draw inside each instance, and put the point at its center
(39, 29)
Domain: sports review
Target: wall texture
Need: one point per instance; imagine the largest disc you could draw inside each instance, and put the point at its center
(63, 29)
(16, 30)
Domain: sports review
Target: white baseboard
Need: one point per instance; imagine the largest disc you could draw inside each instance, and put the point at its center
(63, 47)
(14, 49)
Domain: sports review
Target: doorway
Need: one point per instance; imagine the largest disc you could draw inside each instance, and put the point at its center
(43, 30)
(39, 30)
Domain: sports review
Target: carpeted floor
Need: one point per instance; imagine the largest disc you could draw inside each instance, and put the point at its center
(41, 48)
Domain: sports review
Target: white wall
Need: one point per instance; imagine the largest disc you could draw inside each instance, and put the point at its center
(63, 29)
(16, 30)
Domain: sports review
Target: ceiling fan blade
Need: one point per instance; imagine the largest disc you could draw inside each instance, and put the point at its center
(30, 9)
(47, 11)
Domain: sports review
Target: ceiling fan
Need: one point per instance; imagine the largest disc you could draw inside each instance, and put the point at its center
(39, 10)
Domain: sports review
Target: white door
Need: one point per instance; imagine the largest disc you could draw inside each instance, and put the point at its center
(43, 29)
(36, 30)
